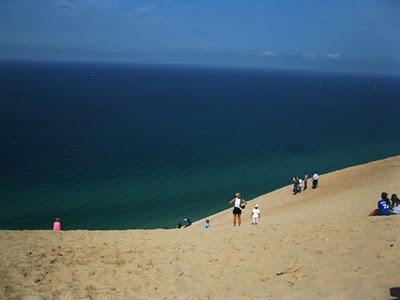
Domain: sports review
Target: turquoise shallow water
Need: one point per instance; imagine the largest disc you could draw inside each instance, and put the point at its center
(114, 147)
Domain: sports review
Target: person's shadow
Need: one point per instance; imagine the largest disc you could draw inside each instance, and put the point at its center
(395, 292)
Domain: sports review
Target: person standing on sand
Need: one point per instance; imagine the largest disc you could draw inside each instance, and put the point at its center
(255, 215)
(295, 181)
(305, 182)
(238, 204)
(299, 185)
(315, 179)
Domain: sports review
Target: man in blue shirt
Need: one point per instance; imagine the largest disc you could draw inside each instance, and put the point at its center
(384, 205)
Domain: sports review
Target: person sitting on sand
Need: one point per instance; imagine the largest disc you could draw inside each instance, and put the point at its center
(395, 209)
(238, 205)
(384, 205)
(255, 215)
(188, 222)
(57, 225)
(207, 224)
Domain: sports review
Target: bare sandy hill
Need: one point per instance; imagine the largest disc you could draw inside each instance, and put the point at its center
(319, 244)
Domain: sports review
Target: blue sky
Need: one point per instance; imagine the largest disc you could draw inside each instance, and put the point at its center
(341, 35)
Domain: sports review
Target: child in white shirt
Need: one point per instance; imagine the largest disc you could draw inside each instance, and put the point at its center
(255, 215)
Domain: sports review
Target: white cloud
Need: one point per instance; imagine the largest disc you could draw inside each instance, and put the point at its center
(269, 53)
(86, 6)
(310, 55)
(140, 10)
(144, 15)
(313, 55)
(148, 20)
(334, 55)
(64, 4)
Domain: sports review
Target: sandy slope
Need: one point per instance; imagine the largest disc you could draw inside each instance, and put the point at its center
(322, 241)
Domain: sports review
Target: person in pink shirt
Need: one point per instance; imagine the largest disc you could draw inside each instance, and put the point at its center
(57, 225)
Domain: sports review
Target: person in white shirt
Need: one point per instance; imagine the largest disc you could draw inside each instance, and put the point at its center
(238, 205)
(395, 207)
(315, 178)
(255, 215)
(300, 185)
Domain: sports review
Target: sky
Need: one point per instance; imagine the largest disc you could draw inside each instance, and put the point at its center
(340, 36)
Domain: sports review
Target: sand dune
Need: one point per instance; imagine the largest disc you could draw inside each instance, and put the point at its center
(319, 244)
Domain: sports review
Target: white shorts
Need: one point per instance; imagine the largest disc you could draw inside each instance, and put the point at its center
(254, 220)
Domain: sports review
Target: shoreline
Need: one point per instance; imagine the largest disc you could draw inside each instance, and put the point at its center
(320, 244)
(284, 188)
(224, 211)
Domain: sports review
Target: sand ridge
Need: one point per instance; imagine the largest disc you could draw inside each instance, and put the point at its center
(319, 244)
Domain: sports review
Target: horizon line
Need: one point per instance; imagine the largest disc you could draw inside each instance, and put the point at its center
(195, 66)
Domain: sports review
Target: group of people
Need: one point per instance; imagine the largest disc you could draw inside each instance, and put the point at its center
(387, 206)
(187, 223)
(300, 185)
(238, 205)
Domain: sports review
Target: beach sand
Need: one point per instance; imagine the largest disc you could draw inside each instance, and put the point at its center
(319, 244)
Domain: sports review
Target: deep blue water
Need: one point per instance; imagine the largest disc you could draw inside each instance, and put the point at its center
(114, 146)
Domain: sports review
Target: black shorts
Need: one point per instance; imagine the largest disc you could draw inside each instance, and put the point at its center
(237, 211)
